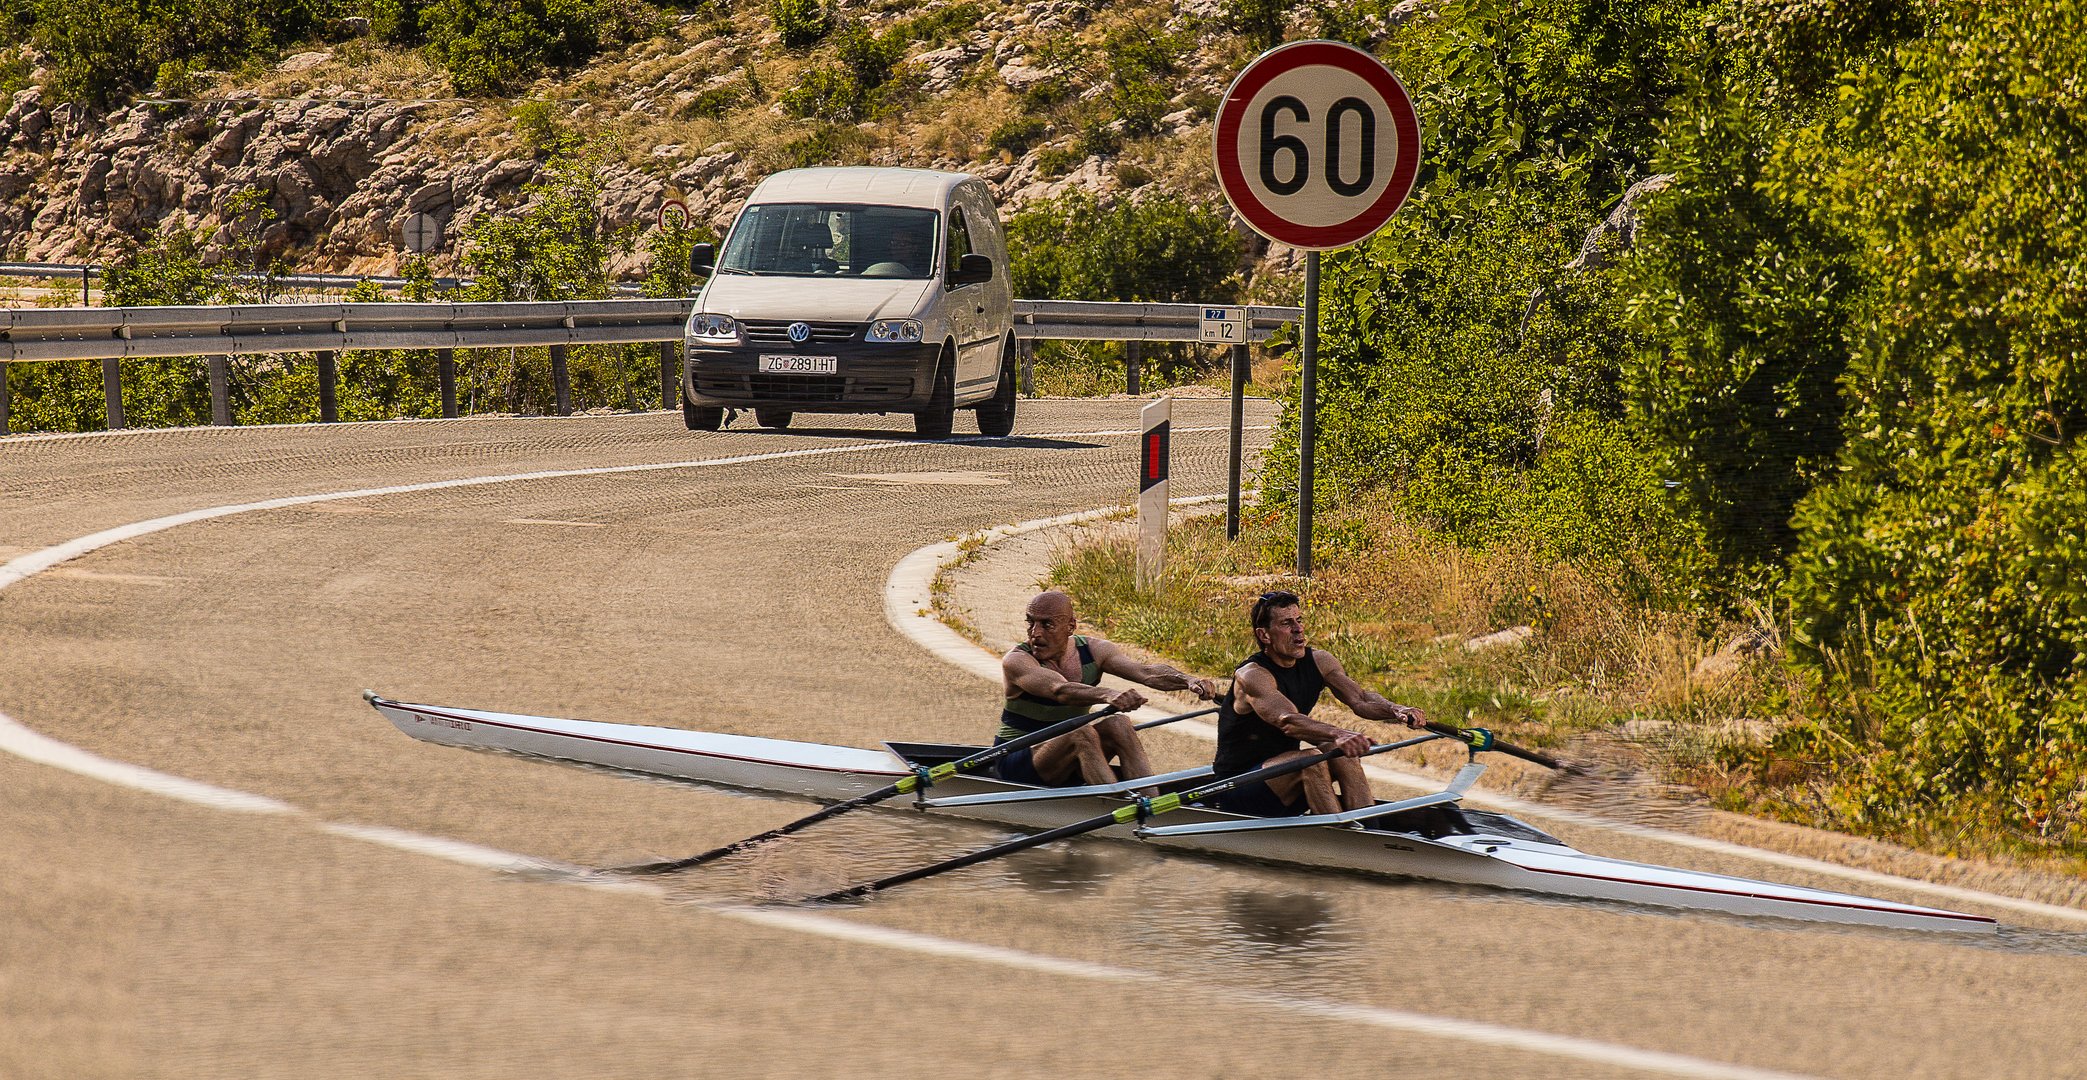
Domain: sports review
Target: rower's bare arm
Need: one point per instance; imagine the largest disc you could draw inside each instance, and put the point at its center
(1023, 672)
(1365, 703)
(1269, 703)
(1157, 676)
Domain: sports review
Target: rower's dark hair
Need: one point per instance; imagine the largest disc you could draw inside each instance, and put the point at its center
(1264, 608)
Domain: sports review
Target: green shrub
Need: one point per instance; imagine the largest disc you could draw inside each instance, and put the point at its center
(101, 51)
(492, 46)
(800, 23)
(1017, 135)
(848, 92)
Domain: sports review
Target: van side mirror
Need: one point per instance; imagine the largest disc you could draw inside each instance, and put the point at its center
(973, 269)
(702, 258)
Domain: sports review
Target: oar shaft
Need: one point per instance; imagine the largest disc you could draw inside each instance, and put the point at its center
(1123, 815)
(976, 761)
(1481, 739)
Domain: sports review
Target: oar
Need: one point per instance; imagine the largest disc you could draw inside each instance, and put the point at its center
(1143, 808)
(1479, 738)
(917, 781)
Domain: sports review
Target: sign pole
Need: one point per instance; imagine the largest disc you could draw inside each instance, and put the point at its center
(1239, 366)
(1308, 412)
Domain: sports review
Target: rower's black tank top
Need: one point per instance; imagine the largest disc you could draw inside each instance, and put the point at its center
(1026, 712)
(1245, 741)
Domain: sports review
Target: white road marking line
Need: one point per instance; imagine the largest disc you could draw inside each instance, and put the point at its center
(909, 607)
(34, 746)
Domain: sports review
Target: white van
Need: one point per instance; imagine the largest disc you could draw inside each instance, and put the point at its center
(856, 290)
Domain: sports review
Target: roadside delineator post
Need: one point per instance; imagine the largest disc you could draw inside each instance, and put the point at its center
(1152, 491)
(221, 390)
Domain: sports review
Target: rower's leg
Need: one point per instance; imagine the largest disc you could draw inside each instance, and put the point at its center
(1094, 758)
(1058, 760)
(1355, 787)
(1318, 790)
(1073, 758)
(1119, 737)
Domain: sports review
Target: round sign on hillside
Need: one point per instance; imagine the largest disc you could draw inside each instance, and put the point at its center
(1317, 144)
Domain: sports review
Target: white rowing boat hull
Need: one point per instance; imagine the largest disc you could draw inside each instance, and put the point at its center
(1498, 851)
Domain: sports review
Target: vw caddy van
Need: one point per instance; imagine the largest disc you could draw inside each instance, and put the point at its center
(856, 290)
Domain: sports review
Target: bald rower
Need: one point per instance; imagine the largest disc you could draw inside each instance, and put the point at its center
(1055, 675)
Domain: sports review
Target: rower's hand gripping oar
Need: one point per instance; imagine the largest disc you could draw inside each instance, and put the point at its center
(921, 779)
(1136, 811)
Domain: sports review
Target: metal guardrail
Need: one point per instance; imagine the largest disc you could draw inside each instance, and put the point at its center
(46, 334)
(115, 334)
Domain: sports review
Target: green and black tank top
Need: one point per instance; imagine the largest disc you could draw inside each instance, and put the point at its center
(1026, 712)
(1244, 740)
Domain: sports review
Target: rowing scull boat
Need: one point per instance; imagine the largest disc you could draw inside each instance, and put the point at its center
(1433, 836)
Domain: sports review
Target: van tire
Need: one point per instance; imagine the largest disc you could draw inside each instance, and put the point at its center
(773, 418)
(996, 415)
(935, 421)
(699, 418)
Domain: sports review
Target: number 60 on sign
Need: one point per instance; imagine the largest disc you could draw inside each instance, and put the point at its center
(1317, 144)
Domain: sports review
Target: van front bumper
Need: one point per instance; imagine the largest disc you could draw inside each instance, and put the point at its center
(870, 378)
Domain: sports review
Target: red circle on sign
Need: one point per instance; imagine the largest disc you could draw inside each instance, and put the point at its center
(1282, 60)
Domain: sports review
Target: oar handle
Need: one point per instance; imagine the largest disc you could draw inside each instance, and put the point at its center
(1482, 739)
(1150, 724)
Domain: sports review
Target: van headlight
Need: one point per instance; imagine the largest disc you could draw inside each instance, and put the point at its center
(895, 330)
(717, 329)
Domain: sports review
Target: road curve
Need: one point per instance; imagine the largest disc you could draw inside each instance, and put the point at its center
(149, 936)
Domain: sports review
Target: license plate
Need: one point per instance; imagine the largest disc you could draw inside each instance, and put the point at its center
(800, 365)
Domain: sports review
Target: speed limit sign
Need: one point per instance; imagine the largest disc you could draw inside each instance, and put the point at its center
(1317, 144)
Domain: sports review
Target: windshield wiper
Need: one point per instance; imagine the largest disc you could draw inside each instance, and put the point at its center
(738, 270)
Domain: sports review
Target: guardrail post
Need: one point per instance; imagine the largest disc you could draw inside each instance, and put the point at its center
(1025, 364)
(1240, 359)
(561, 381)
(220, 391)
(668, 375)
(446, 371)
(4, 402)
(329, 376)
(1132, 353)
(112, 391)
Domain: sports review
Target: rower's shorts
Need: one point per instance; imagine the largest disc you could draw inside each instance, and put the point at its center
(1259, 800)
(1020, 768)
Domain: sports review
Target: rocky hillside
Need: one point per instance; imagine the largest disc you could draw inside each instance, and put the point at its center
(348, 138)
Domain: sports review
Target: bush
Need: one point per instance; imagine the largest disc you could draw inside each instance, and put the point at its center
(492, 46)
(101, 51)
(1940, 584)
(800, 23)
(848, 92)
(1017, 135)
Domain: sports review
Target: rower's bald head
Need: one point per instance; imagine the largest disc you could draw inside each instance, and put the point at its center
(1051, 604)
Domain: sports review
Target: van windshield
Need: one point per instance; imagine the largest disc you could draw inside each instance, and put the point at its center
(828, 240)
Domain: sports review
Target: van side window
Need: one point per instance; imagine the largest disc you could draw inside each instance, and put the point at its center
(959, 245)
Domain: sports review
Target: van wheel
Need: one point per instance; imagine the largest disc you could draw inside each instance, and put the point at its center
(698, 418)
(934, 421)
(996, 415)
(773, 418)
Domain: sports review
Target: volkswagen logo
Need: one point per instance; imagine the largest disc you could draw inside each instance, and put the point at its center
(800, 332)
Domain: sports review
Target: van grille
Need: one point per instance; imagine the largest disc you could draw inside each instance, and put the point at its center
(769, 332)
(808, 389)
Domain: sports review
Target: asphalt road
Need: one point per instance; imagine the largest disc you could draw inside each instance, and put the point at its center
(142, 935)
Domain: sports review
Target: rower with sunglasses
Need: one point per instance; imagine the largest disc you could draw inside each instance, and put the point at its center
(1266, 719)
